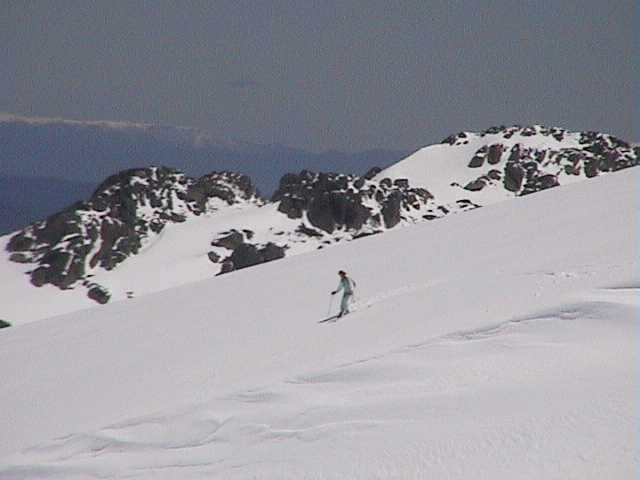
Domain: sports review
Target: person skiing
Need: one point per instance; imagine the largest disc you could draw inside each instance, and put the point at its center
(346, 285)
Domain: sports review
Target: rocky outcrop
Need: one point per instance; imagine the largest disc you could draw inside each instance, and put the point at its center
(126, 210)
(247, 255)
(243, 253)
(529, 169)
(333, 202)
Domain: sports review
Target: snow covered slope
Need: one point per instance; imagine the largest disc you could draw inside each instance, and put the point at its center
(497, 344)
(149, 229)
(504, 162)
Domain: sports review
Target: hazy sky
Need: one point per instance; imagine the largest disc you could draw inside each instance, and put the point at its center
(344, 74)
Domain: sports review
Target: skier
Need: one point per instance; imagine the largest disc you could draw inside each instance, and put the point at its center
(346, 285)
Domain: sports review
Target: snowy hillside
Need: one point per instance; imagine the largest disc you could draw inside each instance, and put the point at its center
(496, 344)
(503, 162)
(149, 229)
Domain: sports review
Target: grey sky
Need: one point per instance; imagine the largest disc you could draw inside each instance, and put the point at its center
(319, 75)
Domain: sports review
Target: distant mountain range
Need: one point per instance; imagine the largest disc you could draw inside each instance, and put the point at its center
(152, 228)
(50, 163)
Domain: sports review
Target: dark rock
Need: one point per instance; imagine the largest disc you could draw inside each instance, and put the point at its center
(479, 157)
(214, 257)
(548, 181)
(423, 193)
(572, 170)
(515, 154)
(372, 172)
(476, 161)
(366, 234)
(311, 232)
(99, 294)
(292, 207)
(386, 183)
(494, 174)
(39, 276)
(391, 209)
(495, 153)
(496, 129)
(271, 252)
(452, 139)
(401, 182)
(231, 241)
(513, 176)
(467, 204)
(19, 258)
(591, 168)
(227, 266)
(20, 243)
(608, 162)
(320, 212)
(475, 185)
(537, 184)
(4, 324)
(222, 185)
(245, 255)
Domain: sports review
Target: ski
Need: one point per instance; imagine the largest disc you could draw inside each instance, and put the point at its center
(332, 318)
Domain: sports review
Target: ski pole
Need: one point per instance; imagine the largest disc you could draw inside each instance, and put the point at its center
(330, 304)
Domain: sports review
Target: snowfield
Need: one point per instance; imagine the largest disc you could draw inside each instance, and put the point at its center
(501, 343)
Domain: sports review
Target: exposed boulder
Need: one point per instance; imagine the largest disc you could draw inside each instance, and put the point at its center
(475, 185)
(476, 161)
(494, 174)
(247, 255)
(99, 294)
(513, 176)
(19, 258)
(231, 241)
(494, 154)
(391, 209)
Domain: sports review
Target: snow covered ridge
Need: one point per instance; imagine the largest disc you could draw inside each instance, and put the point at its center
(502, 162)
(124, 214)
